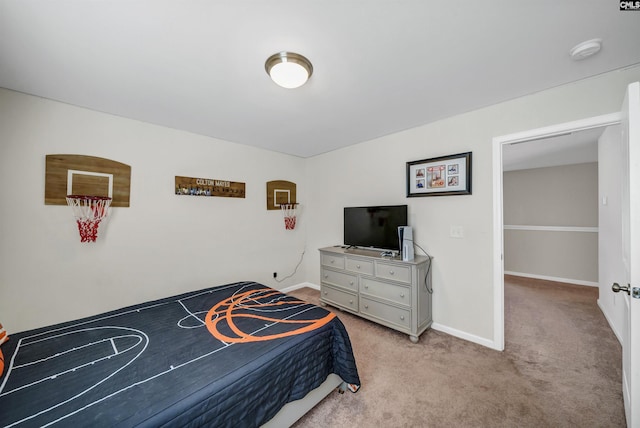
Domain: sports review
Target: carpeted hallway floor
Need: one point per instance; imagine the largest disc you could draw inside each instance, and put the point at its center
(561, 368)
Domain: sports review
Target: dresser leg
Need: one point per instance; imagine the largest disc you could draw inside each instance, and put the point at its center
(413, 338)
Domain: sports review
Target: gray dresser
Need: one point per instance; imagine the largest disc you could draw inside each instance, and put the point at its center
(385, 290)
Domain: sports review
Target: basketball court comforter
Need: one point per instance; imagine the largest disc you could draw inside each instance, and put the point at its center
(231, 355)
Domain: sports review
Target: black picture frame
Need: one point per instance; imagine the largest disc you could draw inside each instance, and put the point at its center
(442, 176)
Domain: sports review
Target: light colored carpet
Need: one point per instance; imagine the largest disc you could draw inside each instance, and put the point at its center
(561, 368)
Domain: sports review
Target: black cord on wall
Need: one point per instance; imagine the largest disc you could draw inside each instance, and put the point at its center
(294, 271)
(426, 278)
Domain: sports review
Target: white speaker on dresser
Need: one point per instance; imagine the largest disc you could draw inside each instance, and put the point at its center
(405, 238)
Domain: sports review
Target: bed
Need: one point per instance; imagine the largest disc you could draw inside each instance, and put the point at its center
(231, 355)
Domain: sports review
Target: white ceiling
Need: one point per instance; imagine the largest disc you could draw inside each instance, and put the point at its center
(380, 66)
(576, 147)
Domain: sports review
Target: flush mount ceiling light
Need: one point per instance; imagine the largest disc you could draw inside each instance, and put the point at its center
(586, 49)
(289, 70)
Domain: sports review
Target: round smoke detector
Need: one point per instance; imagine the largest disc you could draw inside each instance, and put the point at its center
(586, 49)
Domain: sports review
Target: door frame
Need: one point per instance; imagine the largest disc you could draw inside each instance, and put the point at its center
(498, 221)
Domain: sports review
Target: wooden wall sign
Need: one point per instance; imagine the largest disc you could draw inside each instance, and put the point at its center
(209, 187)
(280, 192)
(86, 175)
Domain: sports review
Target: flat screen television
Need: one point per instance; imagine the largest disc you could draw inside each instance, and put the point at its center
(375, 227)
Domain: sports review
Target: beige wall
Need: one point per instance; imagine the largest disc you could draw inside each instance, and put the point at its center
(374, 173)
(165, 244)
(610, 158)
(162, 245)
(554, 196)
(555, 201)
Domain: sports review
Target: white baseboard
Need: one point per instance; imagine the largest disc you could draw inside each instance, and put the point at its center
(609, 321)
(448, 330)
(553, 278)
(301, 285)
(466, 336)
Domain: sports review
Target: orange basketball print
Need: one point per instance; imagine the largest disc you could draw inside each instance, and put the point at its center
(257, 304)
(3, 338)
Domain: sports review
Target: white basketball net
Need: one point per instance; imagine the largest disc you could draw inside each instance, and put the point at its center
(89, 211)
(289, 213)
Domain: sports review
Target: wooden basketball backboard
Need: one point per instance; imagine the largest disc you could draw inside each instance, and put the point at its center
(280, 192)
(86, 175)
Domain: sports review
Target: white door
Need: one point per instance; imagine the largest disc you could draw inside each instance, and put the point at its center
(631, 255)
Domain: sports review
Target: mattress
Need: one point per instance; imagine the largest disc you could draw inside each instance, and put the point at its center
(229, 355)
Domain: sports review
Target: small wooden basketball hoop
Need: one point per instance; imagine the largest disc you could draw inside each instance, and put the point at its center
(89, 211)
(289, 213)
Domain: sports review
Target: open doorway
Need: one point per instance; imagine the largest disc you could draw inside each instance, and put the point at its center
(550, 208)
(498, 144)
(554, 331)
(551, 244)
(629, 119)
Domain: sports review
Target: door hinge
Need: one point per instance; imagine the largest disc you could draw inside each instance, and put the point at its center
(635, 292)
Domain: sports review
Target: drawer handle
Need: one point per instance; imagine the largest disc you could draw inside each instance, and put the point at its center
(391, 272)
(402, 317)
(350, 282)
(351, 302)
(366, 306)
(402, 295)
(326, 275)
(358, 266)
(331, 261)
(326, 292)
(366, 286)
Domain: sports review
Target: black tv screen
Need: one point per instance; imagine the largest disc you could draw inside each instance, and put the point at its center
(375, 227)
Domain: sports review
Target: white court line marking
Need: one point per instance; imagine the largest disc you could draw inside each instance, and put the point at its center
(81, 392)
(171, 368)
(195, 314)
(155, 305)
(77, 348)
(70, 370)
(113, 344)
(191, 314)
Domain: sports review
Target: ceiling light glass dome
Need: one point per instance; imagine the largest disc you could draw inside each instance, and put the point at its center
(289, 70)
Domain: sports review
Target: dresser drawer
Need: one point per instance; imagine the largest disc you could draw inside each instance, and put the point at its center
(394, 292)
(339, 297)
(333, 261)
(390, 314)
(340, 279)
(394, 272)
(359, 266)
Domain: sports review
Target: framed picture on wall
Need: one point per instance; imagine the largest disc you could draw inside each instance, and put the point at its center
(442, 176)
